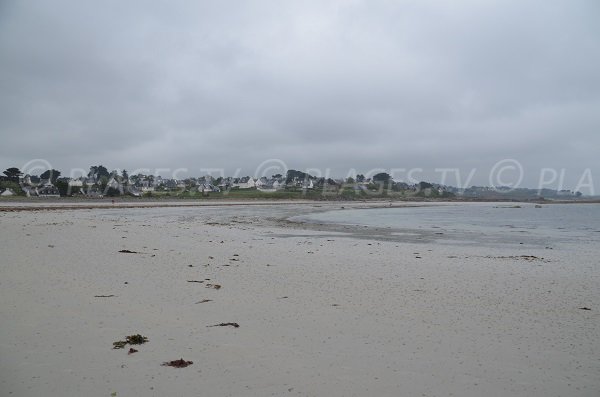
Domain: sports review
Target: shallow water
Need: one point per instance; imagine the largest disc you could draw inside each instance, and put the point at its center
(489, 223)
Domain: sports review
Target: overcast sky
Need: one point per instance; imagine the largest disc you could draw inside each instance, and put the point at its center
(318, 84)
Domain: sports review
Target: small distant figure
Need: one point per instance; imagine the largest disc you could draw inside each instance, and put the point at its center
(113, 201)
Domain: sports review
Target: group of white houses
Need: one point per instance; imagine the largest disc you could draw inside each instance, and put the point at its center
(43, 190)
(88, 186)
(264, 183)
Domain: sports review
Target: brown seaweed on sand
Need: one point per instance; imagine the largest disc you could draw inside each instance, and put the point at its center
(204, 301)
(136, 339)
(181, 363)
(120, 344)
(235, 325)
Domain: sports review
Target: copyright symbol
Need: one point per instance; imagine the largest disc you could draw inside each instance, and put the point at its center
(271, 167)
(35, 166)
(506, 174)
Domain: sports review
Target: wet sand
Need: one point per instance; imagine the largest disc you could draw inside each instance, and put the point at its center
(320, 311)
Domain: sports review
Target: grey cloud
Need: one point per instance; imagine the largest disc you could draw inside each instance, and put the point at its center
(336, 84)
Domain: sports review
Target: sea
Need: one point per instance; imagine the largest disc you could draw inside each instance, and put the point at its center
(487, 224)
(543, 226)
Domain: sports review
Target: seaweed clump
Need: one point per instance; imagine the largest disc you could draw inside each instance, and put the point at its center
(136, 339)
(181, 363)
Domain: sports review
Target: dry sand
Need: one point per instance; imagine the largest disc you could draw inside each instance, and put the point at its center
(320, 313)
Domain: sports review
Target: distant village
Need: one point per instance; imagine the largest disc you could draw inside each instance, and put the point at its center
(99, 183)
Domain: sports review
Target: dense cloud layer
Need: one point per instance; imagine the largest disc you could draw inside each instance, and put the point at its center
(318, 84)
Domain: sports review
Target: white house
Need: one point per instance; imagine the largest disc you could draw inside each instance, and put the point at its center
(207, 187)
(27, 180)
(48, 190)
(246, 182)
(260, 183)
(75, 182)
(7, 192)
(113, 183)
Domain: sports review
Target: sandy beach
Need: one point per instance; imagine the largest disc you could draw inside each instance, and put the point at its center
(322, 311)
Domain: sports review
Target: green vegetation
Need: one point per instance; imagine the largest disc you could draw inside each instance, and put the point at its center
(343, 192)
(13, 174)
(63, 186)
(14, 186)
(99, 170)
(299, 175)
(112, 192)
(382, 177)
(50, 174)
